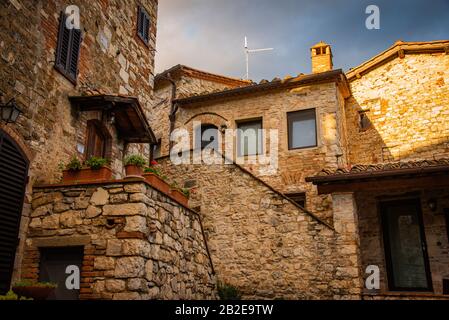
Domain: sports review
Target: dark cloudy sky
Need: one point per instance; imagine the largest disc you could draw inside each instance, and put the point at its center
(208, 34)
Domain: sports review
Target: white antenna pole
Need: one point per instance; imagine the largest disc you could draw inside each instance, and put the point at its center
(248, 51)
(247, 58)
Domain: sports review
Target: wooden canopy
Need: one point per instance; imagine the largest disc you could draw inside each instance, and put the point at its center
(130, 120)
(414, 174)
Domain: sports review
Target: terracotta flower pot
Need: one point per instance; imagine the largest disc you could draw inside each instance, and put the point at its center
(35, 292)
(133, 170)
(157, 182)
(86, 175)
(179, 196)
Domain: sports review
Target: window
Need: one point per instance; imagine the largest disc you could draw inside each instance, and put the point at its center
(302, 129)
(68, 49)
(157, 149)
(364, 121)
(446, 217)
(298, 198)
(98, 140)
(206, 136)
(249, 138)
(143, 25)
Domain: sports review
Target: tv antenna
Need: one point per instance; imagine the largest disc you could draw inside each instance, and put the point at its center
(248, 51)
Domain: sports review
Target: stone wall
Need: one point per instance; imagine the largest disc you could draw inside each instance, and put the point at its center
(264, 244)
(408, 103)
(138, 243)
(272, 107)
(185, 86)
(113, 60)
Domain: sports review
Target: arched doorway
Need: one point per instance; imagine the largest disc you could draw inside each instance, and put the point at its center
(13, 178)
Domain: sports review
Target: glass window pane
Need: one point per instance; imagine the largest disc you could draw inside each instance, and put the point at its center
(302, 129)
(206, 135)
(249, 138)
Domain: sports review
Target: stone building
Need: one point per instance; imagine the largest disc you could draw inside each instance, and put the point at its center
(362, 166)
(359, 178)
(86, 90)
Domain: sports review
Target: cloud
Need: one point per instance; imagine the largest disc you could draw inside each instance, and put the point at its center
(208, 34)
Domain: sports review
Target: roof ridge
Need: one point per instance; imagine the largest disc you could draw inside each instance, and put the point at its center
(418, 46)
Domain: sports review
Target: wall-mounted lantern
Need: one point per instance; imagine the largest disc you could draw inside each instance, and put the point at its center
(9, 112)
(432, 203)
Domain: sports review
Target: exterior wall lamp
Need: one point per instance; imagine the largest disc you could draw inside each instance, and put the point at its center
(432, 203)
(9, 112)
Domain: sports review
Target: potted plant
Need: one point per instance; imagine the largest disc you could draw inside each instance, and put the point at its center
(35, 290)
(178, 194)
(96, 170)
(153, 176)
(134, 165)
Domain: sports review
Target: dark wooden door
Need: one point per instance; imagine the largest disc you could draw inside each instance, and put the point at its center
(96, 141)
(405, 246)
(13, 177)
(53, 265)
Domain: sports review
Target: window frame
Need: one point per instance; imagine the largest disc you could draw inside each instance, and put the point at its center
(141, 10)
(63, 67)
(289, 130)
(237, 145)
(295, 197)
(198, 133)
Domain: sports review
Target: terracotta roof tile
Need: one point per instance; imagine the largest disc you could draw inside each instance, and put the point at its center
(362, 168)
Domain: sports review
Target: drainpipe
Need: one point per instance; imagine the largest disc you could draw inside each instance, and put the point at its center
(173, 109)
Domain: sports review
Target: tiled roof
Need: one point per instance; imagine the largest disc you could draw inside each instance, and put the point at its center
(360, 171)
(363, 168)
(398, 49)
(195, 73)
(264, 85)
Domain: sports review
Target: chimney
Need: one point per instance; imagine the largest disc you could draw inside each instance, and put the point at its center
(321, 57)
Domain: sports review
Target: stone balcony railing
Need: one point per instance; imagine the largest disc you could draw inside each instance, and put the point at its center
(138, 242)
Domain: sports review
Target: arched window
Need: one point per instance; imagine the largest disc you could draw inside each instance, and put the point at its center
(98, 140)
(206, 135)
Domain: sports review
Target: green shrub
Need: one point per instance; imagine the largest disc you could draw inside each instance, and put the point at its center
(96, 163)
(28, 283)
(136, 160)
(228, 292)
(10, 295)
(152, 170)
(74, 164)
(186, 192)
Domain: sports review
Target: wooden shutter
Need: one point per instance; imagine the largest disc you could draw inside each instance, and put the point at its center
(74, 53)
(63, 48)
(13, 176)
(98, 142)
(140, 18)
(143, 24)
(68, 49)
